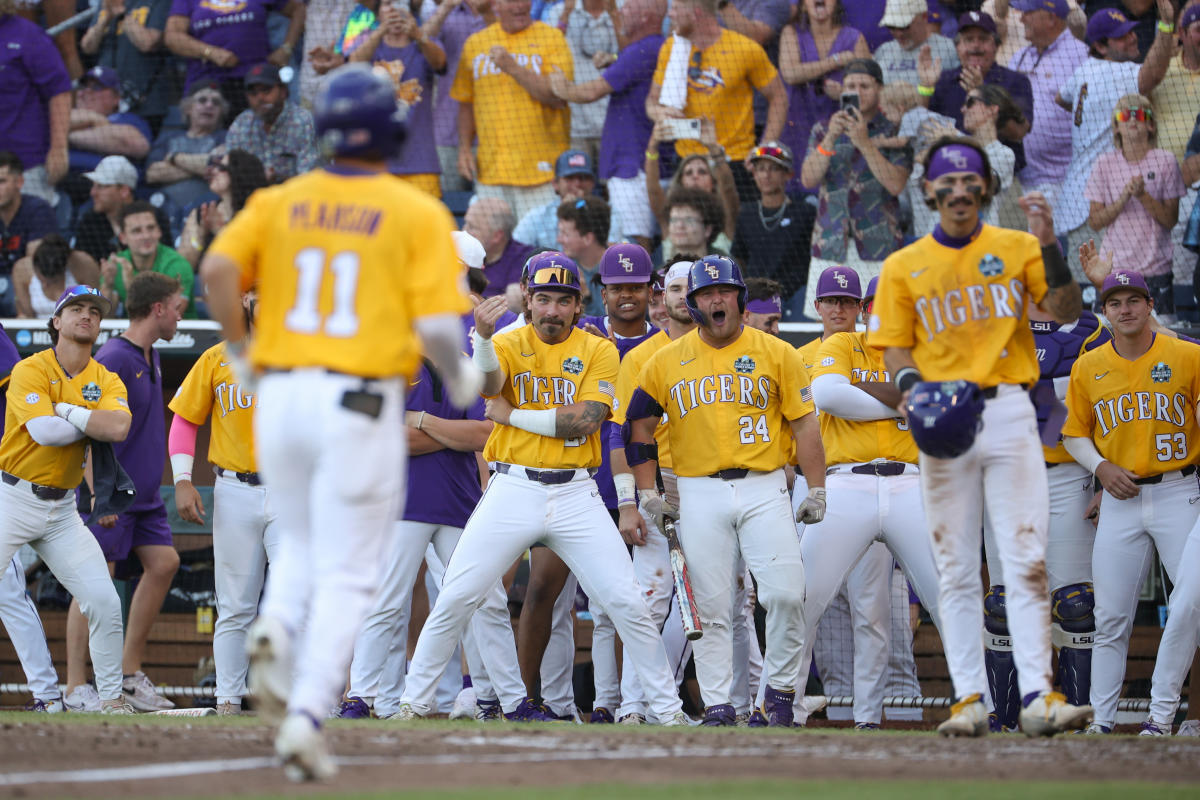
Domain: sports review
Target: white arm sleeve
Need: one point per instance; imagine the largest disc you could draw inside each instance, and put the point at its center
(53, 431)
(834, 394)
(1084, 452)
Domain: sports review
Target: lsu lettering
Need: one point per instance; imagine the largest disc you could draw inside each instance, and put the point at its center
(344, 264)
(1140, 414)
(1058, 347)
(210, 387)
(849, 441)
(541, 376)
(627, 381)
(962, 310)
(729, 408)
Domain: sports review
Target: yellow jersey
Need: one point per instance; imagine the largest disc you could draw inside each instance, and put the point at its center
(1141, 414)
(540, 376)
(721, 83)
(37, 383)
(849, 441)
(344, 263)
(962, 310)
(627, 381)
(729, 408)
(211, 387)
(808, 354)
(519, 138)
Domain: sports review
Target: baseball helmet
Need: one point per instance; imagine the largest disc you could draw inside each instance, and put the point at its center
(356, 114)
(944, 417)
(714, 271)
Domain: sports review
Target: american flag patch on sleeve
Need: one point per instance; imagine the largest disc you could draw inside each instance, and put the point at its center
(806, 394)
(608, 389)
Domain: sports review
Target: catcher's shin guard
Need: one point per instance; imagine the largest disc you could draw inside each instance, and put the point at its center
(998, 659)
(1073, 632)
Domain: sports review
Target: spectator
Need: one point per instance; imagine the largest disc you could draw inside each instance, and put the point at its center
(1143, 15)
(223, 41)
(858, 216)
(1052, 55)
(1134, 194)
(279, 133)
(412, 58)
(24, 221)
(325, 22)
(1191, 174)
(657, 310)
(760, 20)
(179, 159)
(127, 38)
(232, 177)
(626, 127)
(918, 128)
(908, 22)
(716, 80)
(1179, 93)
(39, 281)
(866, 16)
(811, 56)
(764, 306)
(574, 178)
(583, 237)
(491, 221)
(709, 173)
(113, 181)
(99, 128)
(591, 33)
(505, 97)
(144, 252)
(35, 102)
(693, 222)
(774, 233)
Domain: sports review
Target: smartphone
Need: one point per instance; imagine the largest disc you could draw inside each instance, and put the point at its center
(850, 100)
(683, 128)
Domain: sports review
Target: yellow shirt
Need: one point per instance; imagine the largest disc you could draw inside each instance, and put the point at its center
(519, 138)
(729, 408)
(808, 354)
(540, 376)
(211, 386)
(344, 264)
(37, 383)
(721, 84)
(627, 381)
(962, 311)
(849, 441)
(1140, 414)
(1175, 107)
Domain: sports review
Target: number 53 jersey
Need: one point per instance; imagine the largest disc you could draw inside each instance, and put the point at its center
(1140, 414)
(729, 408)
(344, 262)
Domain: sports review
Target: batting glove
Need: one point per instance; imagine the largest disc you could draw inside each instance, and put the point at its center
(464, 386)
(654, 506)
(812, 510)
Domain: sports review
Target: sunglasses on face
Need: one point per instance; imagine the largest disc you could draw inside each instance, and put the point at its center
(1140, 114)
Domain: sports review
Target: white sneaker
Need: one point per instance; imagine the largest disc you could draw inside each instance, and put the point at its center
(1189, 727)
(229, 709)
(464, 704)
(116, 706)
(679, 719)
(270, 677)
(405, 712)
(1050, 713)
(139, 693)
(632, 719)
(301, 745)
(968, 717)
(83, 698)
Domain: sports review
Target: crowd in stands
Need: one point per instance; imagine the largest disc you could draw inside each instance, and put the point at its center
(786, 134)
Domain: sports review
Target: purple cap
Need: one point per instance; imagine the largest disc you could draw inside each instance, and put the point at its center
(1058, 8)
(1123, 279)
(871, 284)
(977, 19)
(574, 162)
(1191, 15)
(839, 282)
(1108, 23)
(770, 305)
(105, 76)
(82, 294)
(552, 271)
(263, 75)
(626, 263)
(954, 158)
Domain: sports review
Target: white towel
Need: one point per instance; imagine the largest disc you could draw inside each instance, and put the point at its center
(675, 76)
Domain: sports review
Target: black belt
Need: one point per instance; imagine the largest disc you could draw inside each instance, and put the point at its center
(551, 477)
(1052, 464)
(245, 477)
(730, 474)
(40, 492)
(883, 469)
(1190, 469)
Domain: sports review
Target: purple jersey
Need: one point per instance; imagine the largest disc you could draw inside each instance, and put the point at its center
(419, 155)
(31, 72)
(239, 26)
(458, 27)
(143, 454)
(626, 126)
(506, 269)
(8, 359)
(624, 343)
(1058, 346)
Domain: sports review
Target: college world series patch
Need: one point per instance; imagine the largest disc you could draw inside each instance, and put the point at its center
(91, 392)
(991, 266)
(1160, 373)
(573, 365)
(744, 364)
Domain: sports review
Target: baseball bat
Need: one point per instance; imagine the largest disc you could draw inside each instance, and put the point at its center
(683, 584)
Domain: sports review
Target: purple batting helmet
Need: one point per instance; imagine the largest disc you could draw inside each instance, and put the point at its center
(356, 114)
(944, 417)
(714, 271)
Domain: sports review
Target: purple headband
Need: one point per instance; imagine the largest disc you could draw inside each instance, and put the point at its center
(772, 305)
(955, 158)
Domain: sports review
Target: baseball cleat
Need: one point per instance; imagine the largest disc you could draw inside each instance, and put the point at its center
(301, 746)
(742, 719)
(52, 706)
(464, 704)
(679, 719)
(1189, 727)
(405, 712)
(116, 706)
(1048, 713)
(633, 719)
(229, 709)
(488, 710)
(719, 716)
(1152, 728)
(353, 708)
(777, 707)
(996, 726)
(270, 675)
(83, 698)
(529, 711)
(601, 716)
(1096, 729)
(867, 726)
(139, 693)
(968, 717)
(755, 720)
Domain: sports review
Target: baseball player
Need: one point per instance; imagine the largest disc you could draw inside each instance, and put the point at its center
(951, 307)
(550, 385)
(728, 404)
(355, 273)
(1131, 422)
(764, 305)
(56, 399)
(1178, 644)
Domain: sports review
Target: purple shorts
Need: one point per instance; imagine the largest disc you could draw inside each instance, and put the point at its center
(133, 529)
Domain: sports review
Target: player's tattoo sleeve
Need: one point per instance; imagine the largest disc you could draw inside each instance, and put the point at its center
(580, 419)
(1064, 303)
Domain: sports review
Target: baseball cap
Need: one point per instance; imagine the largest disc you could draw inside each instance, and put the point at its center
(625, 263)
(574, 162)
(82, 294)
(470, 250)
(200, 86)
(105, 76)
(1123, 279)
(1108, 23)
(114, 171)
(977, 19)
(901, 13)
(552, 271)
(263, 75)
(864, 66)
(839, 282)
(871, 288)
(776, 152)
(1058, 8)
(678, 270)
(1191, 15)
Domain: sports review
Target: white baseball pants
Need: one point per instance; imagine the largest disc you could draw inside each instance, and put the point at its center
(557, 673)
(20, 618)
(747, 657)
(1181, 637)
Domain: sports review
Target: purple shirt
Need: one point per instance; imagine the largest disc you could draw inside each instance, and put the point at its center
(34, 220)
(31, 72)
(419, 154)
(143, 454)
(239, 26)
(8, 359)
(459, 25)
(507, 268)
(949, 96)
(1048, 144)
(626, 126)
(865, 15)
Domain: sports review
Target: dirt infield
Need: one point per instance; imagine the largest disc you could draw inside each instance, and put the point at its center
(144, 757)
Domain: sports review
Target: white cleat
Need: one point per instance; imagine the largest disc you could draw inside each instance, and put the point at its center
(270, 677)
(405, 712)
(679, 719)
(117, 706)
(633, 719)
(1050, 713)
(139, 693)
(464, 704)
(1190, 727)
(968, 717)
(83, 698)
(301, 745)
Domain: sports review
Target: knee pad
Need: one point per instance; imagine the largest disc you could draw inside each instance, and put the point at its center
(998, 659)
(995, 613)
(1073, 633)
